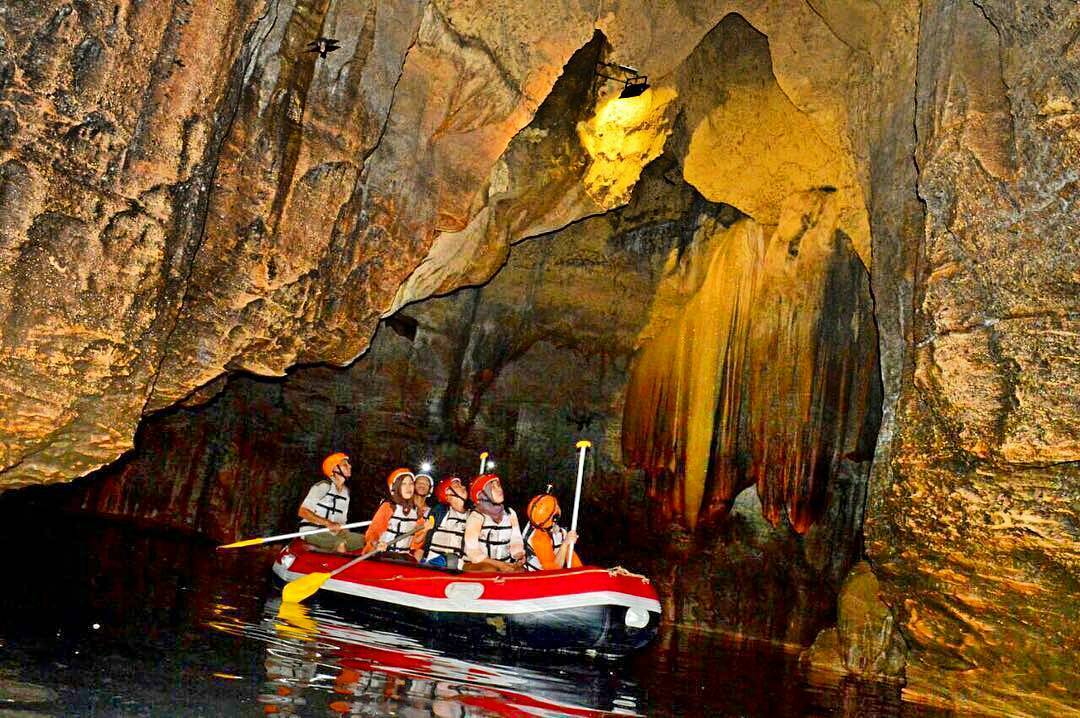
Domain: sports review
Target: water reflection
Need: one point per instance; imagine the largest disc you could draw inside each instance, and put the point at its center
(103, 619)
(318, 662)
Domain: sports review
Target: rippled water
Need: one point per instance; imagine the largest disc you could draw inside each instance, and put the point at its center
(106, 619)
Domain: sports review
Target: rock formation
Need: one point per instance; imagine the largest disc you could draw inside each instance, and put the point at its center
(187, 194)
(972, 526)
(712, 409)
(865, 642)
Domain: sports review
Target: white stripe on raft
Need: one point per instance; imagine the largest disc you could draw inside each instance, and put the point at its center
(481, 605)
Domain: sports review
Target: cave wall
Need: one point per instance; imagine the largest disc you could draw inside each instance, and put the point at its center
(972, 527)
(187, 191)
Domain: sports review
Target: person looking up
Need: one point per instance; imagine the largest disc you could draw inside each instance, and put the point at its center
(327, 506)
(445, 545)
(395, 517)
(424, 485)
(547, 543)
(492, 533)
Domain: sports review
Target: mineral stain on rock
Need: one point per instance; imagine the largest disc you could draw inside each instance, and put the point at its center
(762, 371)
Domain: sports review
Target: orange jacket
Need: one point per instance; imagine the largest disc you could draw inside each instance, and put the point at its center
(381, 521)
(541, 544)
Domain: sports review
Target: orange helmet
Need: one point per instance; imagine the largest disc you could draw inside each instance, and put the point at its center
(442, 491)
(543, 510)
(395, 476)
(331, 462)
(479, 484)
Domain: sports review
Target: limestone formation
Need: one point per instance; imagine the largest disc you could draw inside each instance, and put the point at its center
(972, 526)
(866, 641)
(186, 194)
(710, 408)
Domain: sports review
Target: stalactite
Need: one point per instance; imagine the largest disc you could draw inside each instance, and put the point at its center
(763, 374)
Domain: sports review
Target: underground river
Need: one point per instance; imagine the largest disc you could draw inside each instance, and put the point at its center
(104, 618)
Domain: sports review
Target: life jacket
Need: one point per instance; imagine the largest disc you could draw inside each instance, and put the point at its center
(332, 506)
(495, 536)
(448, 537)
(532, 561)
(399, 524)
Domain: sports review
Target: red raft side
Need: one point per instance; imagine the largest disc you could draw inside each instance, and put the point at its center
(433, 589)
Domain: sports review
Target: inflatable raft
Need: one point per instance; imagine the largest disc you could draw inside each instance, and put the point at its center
(609, 611)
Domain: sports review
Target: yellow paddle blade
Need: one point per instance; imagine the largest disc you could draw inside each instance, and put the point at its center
(297, 590)
(238, 544)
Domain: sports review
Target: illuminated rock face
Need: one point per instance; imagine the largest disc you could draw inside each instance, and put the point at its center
(760, 369)
(972, 527)
(185, 191)
(750, 146)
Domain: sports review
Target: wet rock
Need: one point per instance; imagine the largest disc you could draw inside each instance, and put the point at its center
(185, 193)
(865, 642)
(711, 408)
(401, 152)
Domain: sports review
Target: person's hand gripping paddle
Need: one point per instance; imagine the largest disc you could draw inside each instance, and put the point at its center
(298, 589)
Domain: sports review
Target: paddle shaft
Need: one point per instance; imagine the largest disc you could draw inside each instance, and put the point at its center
(269, 539)
(483, 462)
(358, 559)
(582, 446)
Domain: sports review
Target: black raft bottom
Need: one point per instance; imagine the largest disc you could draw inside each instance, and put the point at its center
(601, 629)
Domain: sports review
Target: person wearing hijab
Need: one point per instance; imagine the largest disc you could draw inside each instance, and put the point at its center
(492, 533)
(396, 517)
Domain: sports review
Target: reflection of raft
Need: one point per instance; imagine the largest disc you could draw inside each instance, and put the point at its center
(587, 608)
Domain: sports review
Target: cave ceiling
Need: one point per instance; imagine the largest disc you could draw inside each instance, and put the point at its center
(187, 192)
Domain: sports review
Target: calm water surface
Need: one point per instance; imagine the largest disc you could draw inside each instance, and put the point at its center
(103, 619)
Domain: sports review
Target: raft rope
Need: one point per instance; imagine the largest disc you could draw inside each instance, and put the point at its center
(524, 576)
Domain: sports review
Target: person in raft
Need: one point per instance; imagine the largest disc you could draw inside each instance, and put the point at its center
(492, 533)
(327, 505)
(547, 543)
(396, 517)
(424, 485)
(445, 545)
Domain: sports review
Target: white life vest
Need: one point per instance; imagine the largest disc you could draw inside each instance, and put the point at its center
(400, 523)
(495, 536)
(324, 501)
(532, 561)
(448, 538)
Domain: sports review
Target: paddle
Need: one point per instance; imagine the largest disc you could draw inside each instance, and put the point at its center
(298, 589)
(483, 463)
(269, 539)
(582, 446)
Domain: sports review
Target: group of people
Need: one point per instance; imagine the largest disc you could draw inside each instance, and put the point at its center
(467, 527)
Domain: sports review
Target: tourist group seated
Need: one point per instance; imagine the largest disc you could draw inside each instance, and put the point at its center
(451, 524)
